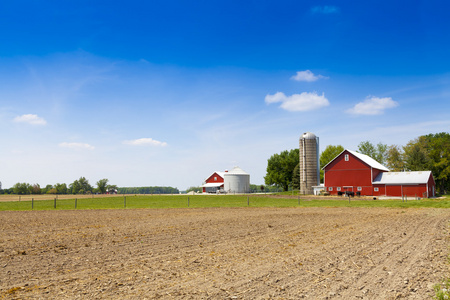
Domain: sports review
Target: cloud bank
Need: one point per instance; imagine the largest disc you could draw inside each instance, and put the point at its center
(307, 76)
(30, 119)
(298, 102)
(373, 106)
(77, 146)
(145, 141)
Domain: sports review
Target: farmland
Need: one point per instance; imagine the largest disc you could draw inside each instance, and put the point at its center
(224, 252)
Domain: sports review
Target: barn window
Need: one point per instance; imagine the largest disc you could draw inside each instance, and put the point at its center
(330, 189)
(338, 188)
(346, 157)
(375, 189)
(359, 188)
(215, 178)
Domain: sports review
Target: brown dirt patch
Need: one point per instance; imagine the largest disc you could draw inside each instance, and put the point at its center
(225, 253)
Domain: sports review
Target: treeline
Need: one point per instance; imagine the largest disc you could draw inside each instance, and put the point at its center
(426, 153)
(79, 186)
(148, 190)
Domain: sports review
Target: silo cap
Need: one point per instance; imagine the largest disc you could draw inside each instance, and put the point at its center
(308, 136)
(236, 171)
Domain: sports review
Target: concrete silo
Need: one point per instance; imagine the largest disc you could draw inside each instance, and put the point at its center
(236, 181)
(309, 162)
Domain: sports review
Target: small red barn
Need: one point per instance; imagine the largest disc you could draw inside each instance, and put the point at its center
(214, 183)
(355, 172)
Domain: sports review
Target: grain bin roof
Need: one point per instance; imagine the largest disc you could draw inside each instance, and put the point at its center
(236, 171)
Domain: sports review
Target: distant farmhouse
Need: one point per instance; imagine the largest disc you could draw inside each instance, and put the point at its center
(234, 181)
(358, 174)
(214, 183)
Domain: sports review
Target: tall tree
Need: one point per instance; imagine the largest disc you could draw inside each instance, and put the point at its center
(368, 149)
(102, 185)
(381, 153)
(394, 159)
(438, 150)
(61, 188)
(80, 186)
(22, 188)
(296, 178)
(378, 152)
(416, 156)
(280, 168)
(328, 155)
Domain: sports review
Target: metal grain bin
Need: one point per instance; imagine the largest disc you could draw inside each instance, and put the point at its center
(236, 181)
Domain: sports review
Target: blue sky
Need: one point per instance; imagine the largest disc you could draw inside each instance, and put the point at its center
(163, 93)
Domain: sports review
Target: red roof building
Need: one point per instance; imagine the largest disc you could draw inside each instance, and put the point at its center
(214, 183)
(360, 174)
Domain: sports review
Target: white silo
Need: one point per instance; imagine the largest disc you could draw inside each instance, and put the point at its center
(236, 181)
(309, 162)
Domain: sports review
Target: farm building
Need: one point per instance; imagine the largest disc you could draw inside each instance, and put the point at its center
(237, 181)
(214, 183)
(362, 175)
(234, 181)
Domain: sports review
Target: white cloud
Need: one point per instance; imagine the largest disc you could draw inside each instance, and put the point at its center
(326, 9)
(145, 141)
(78, 146)
(30, 119)
(298, 102)
(307, 76)
(373, 106)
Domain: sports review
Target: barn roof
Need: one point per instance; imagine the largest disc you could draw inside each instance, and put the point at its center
(369, 160)
(418, 177)
(365, 158)
(216, 172)
(213, 184)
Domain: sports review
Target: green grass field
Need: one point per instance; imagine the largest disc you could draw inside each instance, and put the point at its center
(200, 201)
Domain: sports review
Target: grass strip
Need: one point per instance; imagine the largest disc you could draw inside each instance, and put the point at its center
(205, 201)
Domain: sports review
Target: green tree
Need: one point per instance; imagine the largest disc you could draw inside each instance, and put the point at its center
(378, 152)
(328, 155)
(381, 153)
(101, 185)
(296, 178)
(394, 159)
(47, 188)
(280, 168)
(22, 188)
(368, 149)
(61, 188)
(437, 147)
(80, 186)
(416, 156)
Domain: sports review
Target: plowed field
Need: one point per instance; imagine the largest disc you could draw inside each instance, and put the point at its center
(224, 253)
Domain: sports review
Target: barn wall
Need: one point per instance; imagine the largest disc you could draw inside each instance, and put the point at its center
(348, 175)
(211, 178)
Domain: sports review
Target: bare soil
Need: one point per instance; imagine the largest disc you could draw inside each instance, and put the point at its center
(224, 253)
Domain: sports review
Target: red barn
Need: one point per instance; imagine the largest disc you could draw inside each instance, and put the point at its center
(358, 173)
(410, 184)
(213, 183)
